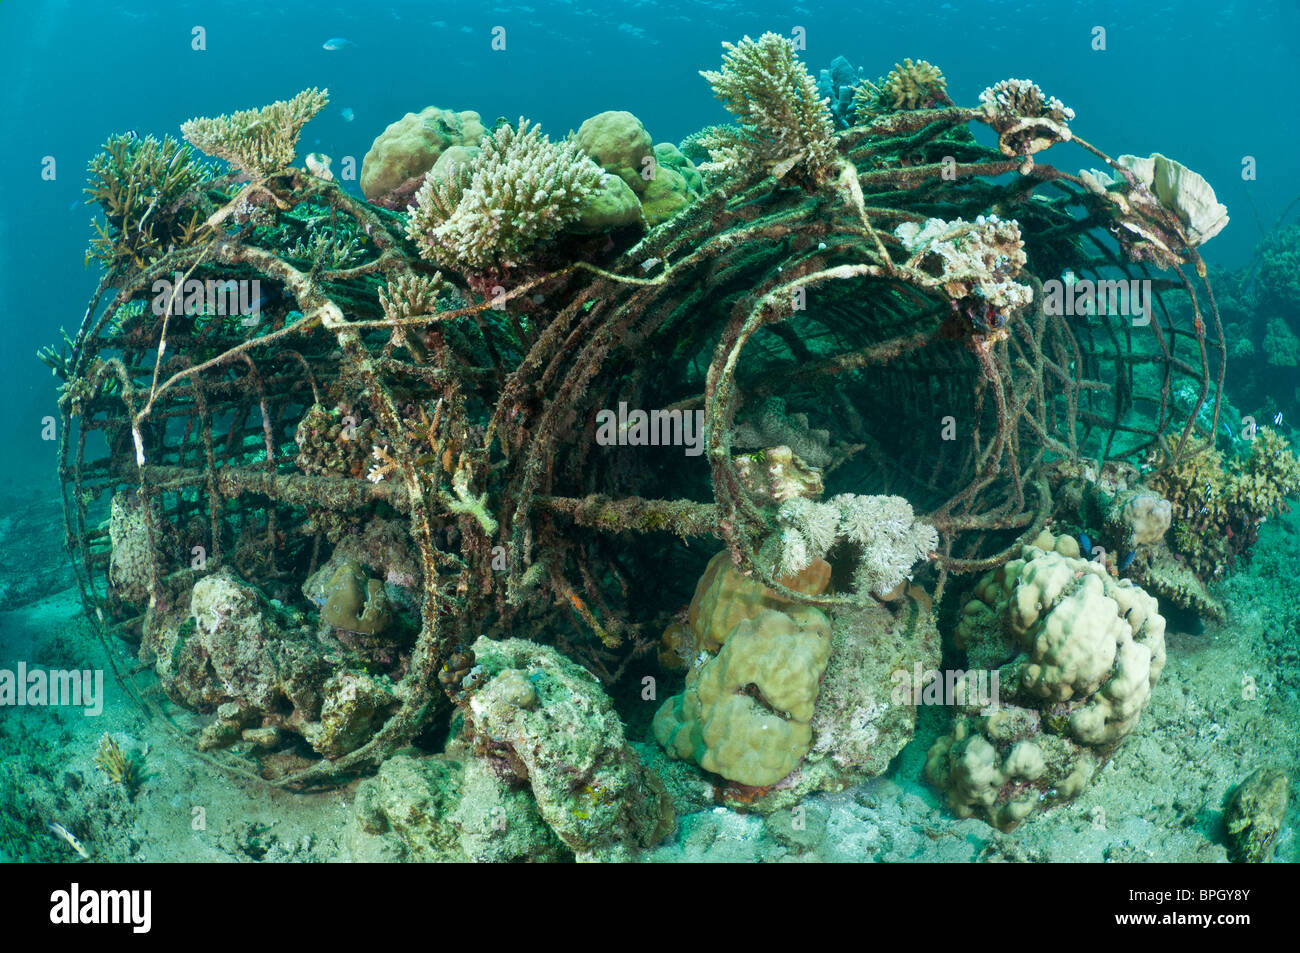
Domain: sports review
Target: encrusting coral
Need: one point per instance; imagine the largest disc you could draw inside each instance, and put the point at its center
(493, 211)
(976, 263)
(1026, 120)
(356, 603)
(544, 720)
(776, 474)
(1254, 815)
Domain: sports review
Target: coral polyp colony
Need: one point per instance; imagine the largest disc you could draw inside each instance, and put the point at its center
(379, 503)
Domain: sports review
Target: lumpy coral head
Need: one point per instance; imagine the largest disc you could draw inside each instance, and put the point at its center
(618, 143)
(356, 603)
(724, 598)
(408, 148)
(745, 714)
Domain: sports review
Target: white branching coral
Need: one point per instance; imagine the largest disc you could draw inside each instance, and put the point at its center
(261, 142)
(492, 211)
(818, 523)
(408, 296)
(1025, 119)
(784, 122)
(882, 530)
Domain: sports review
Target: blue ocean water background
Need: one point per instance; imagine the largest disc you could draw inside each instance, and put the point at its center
(1207, 83)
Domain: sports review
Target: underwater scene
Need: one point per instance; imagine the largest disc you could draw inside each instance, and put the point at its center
(727, 431)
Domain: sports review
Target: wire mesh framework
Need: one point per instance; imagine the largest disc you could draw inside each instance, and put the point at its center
(473, 422)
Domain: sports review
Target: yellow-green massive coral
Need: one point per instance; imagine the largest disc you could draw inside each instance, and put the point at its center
(783, 701)
(747, 709)
(746, 713)
(1077, 654)
(649, 183)
(408, 148)
(261, 142)
(784, 123)
(356, 603)
(492, 212)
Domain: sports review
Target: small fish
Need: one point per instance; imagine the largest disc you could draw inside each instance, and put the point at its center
(1085, 543)
(347, 114)
(337, 43)
(1278, 419)
(71, 840)
(1127, 560)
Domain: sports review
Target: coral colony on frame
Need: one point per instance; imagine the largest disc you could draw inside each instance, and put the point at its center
(340, 470)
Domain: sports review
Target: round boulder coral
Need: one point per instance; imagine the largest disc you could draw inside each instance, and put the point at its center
(618, 142)
(408, 148)
(1077, 654)
(746, 713)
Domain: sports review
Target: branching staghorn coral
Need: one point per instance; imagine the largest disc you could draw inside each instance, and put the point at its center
(148, 190)
(492, 212)
(408, 296)
(261, 142)
(784, 122)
